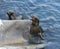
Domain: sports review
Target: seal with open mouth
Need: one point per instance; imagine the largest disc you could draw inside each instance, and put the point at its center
(35, 29)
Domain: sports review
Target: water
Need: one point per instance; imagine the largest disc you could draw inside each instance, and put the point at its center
(48, 11)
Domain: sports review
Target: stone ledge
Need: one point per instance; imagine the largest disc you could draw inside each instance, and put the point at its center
(39, 46)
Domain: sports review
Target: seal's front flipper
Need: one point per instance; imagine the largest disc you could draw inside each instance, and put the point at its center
(41, 36)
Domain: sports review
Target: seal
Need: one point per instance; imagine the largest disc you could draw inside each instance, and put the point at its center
(35, 29)
(11, 15)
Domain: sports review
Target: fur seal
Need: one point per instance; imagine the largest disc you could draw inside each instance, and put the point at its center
(11, 15)
(35, 29)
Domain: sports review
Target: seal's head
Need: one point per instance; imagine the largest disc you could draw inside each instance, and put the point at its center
(35, 20)
(11, 15)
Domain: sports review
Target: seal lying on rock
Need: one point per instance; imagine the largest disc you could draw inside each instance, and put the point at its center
(11, 15)
(35, 29)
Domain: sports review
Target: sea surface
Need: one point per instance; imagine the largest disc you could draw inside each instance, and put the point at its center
(48, 11)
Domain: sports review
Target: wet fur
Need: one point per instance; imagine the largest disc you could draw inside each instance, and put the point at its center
(35, 29)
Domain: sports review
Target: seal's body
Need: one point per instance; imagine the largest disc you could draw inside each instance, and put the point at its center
(11, 15)
(35, 29)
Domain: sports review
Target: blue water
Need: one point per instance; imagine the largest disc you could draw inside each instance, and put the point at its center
(48, 11)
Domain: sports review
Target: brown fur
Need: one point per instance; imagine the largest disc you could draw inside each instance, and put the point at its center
(35, 29)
